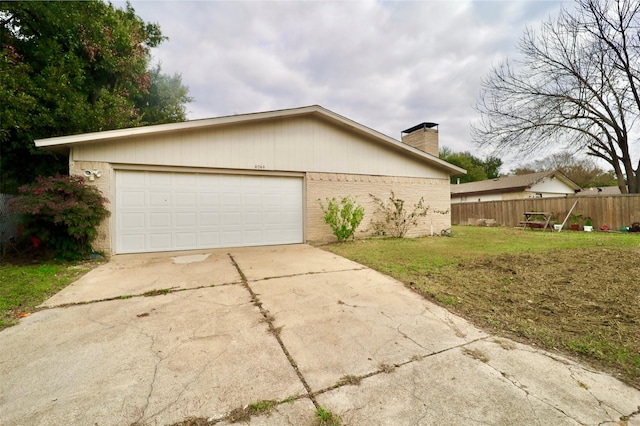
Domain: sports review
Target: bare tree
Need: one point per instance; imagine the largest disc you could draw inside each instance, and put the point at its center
(579, 169)
(575, 85)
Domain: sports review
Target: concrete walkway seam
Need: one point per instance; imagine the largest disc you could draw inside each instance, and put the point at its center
(274, 331)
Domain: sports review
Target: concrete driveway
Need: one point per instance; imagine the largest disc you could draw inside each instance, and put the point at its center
(159, 338)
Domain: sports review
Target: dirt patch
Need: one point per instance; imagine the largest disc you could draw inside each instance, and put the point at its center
(585, 302)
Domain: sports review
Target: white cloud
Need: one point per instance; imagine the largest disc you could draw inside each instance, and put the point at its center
(388, 65)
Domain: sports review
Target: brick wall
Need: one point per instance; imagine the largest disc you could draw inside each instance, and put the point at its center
(327, 185)
(103, 183)
(423, 139)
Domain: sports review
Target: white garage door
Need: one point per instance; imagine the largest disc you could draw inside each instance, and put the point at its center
(161, 211)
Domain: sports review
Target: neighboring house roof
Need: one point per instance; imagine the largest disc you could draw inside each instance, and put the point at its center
(65, 142)
(599, 191)
(509, 183)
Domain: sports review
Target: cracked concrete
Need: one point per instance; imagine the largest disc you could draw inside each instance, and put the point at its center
(283, 323)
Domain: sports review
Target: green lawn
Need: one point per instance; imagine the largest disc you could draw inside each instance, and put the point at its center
(575, 292)
(23, 287)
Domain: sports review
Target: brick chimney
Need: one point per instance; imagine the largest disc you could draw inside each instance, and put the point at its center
(423, 136)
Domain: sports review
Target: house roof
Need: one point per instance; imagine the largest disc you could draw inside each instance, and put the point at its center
(65, 142)
(599, 191)
(509, 183)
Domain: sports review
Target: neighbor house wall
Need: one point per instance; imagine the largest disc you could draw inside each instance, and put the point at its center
(475, 198)
(551, 188)
(104, 183)
(328, 185)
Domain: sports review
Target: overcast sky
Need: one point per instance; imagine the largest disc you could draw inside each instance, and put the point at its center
(388, 65)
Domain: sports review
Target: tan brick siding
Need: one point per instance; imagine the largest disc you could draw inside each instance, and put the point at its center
(102, 242)
(327, 185)
(423, 139)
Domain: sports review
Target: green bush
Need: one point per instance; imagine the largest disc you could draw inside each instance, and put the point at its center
(344, 217)
(61, 213)
(394, 220)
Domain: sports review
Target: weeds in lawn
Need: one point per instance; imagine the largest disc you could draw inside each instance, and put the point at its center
(23, 287)
(261, 407)
(158, 292)
(244, 414)
(190, 421)
(476, 354)
(386, 368)
(349, 380)
(327, 418)
(446, 300)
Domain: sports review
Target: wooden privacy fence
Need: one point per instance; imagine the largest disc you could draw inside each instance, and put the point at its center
(615, 211)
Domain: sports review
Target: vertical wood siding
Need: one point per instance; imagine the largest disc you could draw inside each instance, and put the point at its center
(615, 211)
(288, 144)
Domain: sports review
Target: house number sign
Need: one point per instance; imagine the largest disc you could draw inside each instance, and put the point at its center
(260, 166)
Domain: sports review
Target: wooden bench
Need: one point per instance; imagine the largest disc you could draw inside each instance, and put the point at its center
(541, 219)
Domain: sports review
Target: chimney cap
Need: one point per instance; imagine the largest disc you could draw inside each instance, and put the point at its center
(425, 125)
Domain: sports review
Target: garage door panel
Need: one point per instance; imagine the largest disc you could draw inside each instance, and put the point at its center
(135, 180)
(158, 179)
(160, 241)
(133, 198)
(158, 211)
(288, 233)
(186, 239)
(288, 217)
(209, 238)
(133, 220)
(208, 219)
(136, 243)
(253, 218)
(270, 200)
(232, 238)
(253, 237)
(272, 218)
(186, 219)
(231, 219)
(252, 200)
(186, 199)
(159, 199)
(159, 220)
(209, 199)
(187, 180)
(232, 199)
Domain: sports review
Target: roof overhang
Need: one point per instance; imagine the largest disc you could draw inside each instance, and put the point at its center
(63, 143)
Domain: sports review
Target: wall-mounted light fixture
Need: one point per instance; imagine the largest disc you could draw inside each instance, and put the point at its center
(92, 174)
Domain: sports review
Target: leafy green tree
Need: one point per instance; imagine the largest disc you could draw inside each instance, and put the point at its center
(165, 100)
(477, 169)
(491, 166)
(73, 67)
